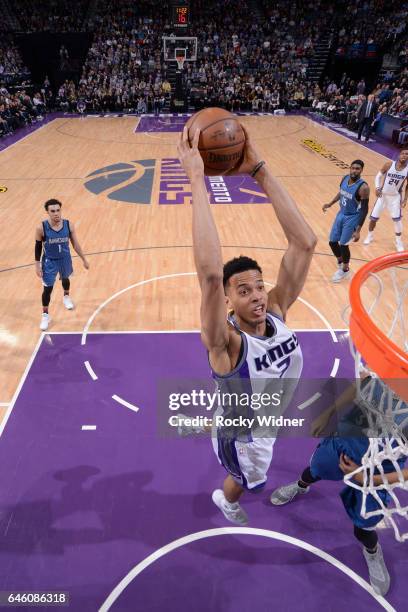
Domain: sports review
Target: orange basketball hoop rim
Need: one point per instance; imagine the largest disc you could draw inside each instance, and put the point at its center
(382, 355)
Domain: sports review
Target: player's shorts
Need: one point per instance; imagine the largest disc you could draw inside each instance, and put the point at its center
(246, 462)
(52, 267)
(343, 227)
(324, 464)
(390, 202)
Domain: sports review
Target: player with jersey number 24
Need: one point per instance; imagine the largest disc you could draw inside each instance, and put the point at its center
(241, 346)
(389, 185)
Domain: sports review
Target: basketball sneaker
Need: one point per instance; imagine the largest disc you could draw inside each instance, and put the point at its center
(399, 244)
(68, 303)
(45, 321)
(286, 493)
(377, 570)
(368, 239)
(232, 512)
(340, 275)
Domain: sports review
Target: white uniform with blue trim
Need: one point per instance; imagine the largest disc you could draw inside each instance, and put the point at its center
(269, 364)
(391, 193)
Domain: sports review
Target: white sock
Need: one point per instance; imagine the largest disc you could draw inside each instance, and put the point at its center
(370, 233)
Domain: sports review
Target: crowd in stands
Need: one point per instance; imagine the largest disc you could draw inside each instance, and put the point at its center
(11, 63)
(124, 68)
(19, 109)
(256, 62)
(342, 102)
(368, 25)
(51, 15)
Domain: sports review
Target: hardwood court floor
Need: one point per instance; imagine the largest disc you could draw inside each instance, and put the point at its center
(129, 242)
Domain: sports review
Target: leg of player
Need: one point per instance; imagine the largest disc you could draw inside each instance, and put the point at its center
(45, 298)
(377, 570)
(227, 501)
(334, 241)
(398, 231)
(286, 493)
(371, 228)
(345, 256)
(349, 225)
(344, 264)
(68, 303)
(335, 247)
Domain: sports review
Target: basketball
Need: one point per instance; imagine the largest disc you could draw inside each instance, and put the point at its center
(222, 139)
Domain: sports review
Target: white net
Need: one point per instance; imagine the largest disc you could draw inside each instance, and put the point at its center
(180, 62)
(382, 478)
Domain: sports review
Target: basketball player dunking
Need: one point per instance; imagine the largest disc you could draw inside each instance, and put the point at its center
(353, 196)
(389, 184)
(55, 233)
(253, 343)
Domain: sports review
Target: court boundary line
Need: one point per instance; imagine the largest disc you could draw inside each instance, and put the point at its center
(348, 138)
(177, 275)
(21, 383)
(37, 129)
(273, 535)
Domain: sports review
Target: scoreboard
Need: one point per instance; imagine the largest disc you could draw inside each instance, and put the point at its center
(180, 15)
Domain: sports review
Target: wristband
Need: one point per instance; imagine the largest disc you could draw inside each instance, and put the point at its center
(257, 167)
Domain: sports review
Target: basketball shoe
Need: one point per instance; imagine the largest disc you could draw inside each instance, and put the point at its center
(232, 512)
(286, 493)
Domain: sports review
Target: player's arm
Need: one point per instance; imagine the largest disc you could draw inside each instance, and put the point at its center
(207, 259)
(364, 195)
(330, 204)
(404, 200)
(345, 398)
(347, 466)
(301, 239)
(320, 423)
(301, 244)
(380, 178)
(39, 237)
(77, 247)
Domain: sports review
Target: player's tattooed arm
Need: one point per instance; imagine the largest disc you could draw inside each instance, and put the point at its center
(77, 246)
(380, 179)
(207, 259)
(330, 204)
(301, 244)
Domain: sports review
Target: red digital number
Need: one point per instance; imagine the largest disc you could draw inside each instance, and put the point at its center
(182, 15)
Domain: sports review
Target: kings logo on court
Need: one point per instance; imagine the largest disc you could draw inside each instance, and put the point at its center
(134, 182)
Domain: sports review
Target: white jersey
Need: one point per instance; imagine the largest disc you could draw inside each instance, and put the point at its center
(394, 180)
(269, 365)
